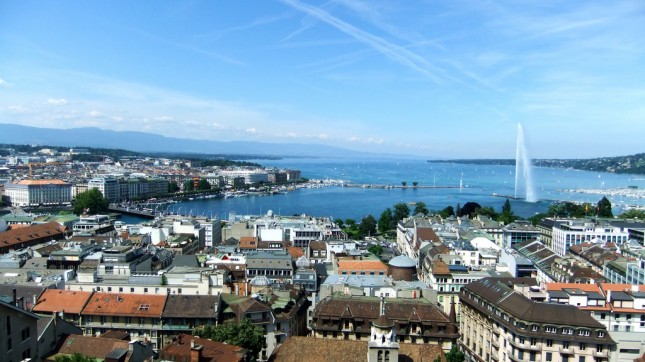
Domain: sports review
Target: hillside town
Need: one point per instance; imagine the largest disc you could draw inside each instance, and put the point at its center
(564, 290)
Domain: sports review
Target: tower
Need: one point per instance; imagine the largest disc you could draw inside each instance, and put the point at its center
(382, 346)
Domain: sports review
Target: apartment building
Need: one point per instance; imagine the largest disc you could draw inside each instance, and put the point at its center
(499, 323)
(417, 321)
(619, 307)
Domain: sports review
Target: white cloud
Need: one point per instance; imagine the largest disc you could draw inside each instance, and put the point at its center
(323, 136)
(163, 118)
(95, 114)
(57, 102)
(17, 109)
(4, 83)
(251, 130)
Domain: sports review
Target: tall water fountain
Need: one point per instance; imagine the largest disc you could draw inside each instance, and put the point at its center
(523, 169)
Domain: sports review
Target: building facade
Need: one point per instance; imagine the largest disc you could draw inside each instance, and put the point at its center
(38, 192)
(500, 324)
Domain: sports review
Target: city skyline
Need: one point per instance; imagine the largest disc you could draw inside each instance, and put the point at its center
(436, 80)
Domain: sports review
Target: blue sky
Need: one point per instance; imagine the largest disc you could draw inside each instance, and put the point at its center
(438, 79)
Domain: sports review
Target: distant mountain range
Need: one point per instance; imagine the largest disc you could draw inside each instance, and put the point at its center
(152, 143)
(633, 164)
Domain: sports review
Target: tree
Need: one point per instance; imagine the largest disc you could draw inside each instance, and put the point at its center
(633, 214)
(603, 209)
(339, 222)
(415, 184)
(420, 208)
(76, 357)
(244, 334)
(385, 221)
(367, 226)
(376, 250)
(455, 355)
(91, 202)
(469, 208)
(404, 184)
(447, 212)
(172, 187)
(401, 211)
(189, 185)
(486, 211)
(203, 184)
(507, 215)
(458, 210)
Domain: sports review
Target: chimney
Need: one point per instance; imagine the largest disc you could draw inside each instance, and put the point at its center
(195, 352)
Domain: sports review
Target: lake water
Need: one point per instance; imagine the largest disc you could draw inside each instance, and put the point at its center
(480, 183)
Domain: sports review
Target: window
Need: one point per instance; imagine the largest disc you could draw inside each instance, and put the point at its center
(131, 290)
(25, 333)
(583, 346)
(549, 343)
(534, 328)
(583, 332)
(599, 347)
(145, 290)
(549, 357)
(533, 341)
(565, 344)
(581, 359)
(550, 329)
(601, 334)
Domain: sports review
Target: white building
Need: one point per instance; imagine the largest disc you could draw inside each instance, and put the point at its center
(250, 176)
(38, 192)
(575, 232)
(108, 186)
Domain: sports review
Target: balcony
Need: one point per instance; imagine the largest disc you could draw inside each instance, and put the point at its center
(495, 342)
(176, 327)
(566, 350)
(602, 354)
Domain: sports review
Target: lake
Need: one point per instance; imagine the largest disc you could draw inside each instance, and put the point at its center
(480, 183)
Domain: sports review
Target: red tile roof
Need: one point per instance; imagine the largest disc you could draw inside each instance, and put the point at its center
(361, 265)
(211, 351)
(56, 300)
(129, 305)
(15, 237)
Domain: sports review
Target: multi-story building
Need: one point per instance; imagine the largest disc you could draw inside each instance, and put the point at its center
(417, 321)
(499, 323)
(38, 192)
(276, 266)
(574, 232)
(625, 271)
(109, 187)
(518, 232)
(619, 307)
(250, 176)
(19, 333)
(139, 315)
